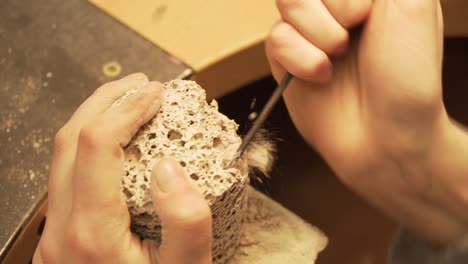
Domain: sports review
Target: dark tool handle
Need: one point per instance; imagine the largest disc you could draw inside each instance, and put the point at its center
(263, 115)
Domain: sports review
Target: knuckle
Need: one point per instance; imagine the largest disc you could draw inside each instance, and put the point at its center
(195, 217)
(97, 138)
(62, 139)
(79, 241)
(309, 69)
(91, 137)
(353, 12)
(279, 35)
(47, 251)
(339, 41)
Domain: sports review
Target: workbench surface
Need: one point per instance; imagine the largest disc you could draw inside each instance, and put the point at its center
(51, 59)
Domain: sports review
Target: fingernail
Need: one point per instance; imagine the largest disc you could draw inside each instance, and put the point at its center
(151, 87)
(153, 109)
(136, 76)
(134, 82)
(168, 175)
(155, 89)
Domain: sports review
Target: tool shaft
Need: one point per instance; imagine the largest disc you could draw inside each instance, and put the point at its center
(263, 115)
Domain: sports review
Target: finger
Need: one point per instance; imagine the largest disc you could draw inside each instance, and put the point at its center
(135, 110)
(349, 13)
(313, 20)
(106, 95)
(65, 140)
(184, 213)
(288, 48)
(99, 161)
(59, 187)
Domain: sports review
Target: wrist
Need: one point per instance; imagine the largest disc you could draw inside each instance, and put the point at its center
(445, 188)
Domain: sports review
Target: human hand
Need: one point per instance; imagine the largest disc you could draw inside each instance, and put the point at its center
(87, 219)
(371, 103)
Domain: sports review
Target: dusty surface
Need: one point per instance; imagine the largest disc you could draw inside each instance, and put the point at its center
(47, 68)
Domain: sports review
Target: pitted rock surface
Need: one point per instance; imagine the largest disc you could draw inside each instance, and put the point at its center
(192, 131)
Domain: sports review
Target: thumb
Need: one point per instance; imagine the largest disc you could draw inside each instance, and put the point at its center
(405, 34)
(401, 59)
(184, 213)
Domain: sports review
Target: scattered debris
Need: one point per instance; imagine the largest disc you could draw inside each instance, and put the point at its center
(252, 116)
(26, 93)
(253, 103)
(9, 121)
(32, 175)
(38, 141)
(23, 110)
